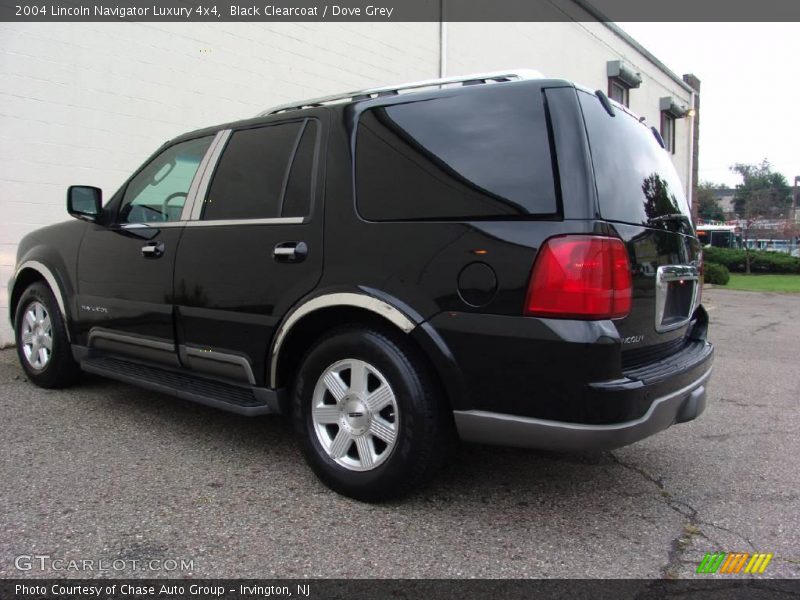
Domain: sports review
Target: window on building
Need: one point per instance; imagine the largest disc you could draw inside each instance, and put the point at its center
(619, 91)
(672, 109)
(668, 131)
(622, 78)
(482, 154)
(253, 179)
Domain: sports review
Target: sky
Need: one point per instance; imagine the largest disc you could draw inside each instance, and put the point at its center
(750, 90)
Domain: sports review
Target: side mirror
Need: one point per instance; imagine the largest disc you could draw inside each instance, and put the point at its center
(84, 202)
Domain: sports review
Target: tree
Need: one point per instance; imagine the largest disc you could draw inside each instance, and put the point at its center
(762, 194)
(659, 200)
(771, 188)
(707, 204)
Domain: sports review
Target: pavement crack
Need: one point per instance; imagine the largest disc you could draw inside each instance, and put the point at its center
(741, 536)
(693, 526)
(690, 529)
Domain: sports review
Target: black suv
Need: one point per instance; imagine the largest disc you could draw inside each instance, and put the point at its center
(499, 259)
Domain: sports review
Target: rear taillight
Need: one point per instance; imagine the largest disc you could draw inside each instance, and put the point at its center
(580, 277)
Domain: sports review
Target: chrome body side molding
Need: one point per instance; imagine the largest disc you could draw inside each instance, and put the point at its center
(51, 280)
(98, 333)
(212, 356)
(264, 221)
(142, 347)
(384, 309)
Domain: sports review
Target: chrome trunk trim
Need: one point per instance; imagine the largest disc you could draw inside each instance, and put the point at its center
(664, 276)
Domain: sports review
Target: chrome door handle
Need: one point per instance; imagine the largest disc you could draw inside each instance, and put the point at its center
(153, 250)
(290, 251)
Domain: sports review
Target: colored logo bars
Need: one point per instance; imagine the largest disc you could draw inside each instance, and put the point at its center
(732, 562)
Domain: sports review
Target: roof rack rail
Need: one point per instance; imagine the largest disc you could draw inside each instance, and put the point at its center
(391, 90)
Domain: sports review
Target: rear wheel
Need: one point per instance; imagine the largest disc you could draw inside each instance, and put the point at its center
(42, 345)
(371, 421)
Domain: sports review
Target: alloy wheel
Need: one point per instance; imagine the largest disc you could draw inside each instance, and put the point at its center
(355, 415)
(37, 336)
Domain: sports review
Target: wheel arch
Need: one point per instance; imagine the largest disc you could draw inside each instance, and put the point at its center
(28, 273)
(310, 320)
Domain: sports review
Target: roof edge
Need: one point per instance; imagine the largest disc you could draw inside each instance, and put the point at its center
(622, 34)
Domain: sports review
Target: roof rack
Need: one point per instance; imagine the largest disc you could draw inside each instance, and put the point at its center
(392, 90)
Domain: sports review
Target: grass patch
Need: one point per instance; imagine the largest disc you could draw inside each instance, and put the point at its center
(765, 283)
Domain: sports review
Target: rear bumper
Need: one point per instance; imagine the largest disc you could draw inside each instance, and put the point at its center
(678, 406)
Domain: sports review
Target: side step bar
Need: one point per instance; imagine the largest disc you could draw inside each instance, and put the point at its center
(247, 401)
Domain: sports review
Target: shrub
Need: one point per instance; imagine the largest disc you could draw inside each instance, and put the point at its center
(716, 274)
(760, 261)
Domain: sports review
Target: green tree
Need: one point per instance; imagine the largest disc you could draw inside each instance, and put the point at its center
(767, 191)
(763, 194)
(707, 204)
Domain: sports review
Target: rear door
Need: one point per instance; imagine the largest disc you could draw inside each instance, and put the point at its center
(252, 249)
(641, 196)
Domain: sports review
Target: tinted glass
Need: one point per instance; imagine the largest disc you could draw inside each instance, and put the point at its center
(483, 153)
(619, 93)
(297, 199)
(636, 180)
(158, 192)
(248, 182)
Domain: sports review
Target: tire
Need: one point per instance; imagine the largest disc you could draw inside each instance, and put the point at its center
(397, 423)
(42, 345)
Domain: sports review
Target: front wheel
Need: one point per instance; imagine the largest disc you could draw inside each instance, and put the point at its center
(372, 423)
(41, 337)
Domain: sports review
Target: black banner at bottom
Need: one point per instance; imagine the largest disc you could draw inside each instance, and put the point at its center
(392, 589)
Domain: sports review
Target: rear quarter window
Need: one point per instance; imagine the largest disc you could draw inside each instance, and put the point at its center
(478, 154)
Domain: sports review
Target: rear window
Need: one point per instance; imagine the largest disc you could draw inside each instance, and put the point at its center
(481, 154)
(636, 180)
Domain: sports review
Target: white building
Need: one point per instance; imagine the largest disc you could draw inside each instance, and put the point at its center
(86, 103)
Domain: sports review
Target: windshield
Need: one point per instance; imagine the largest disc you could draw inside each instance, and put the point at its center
(636, 180)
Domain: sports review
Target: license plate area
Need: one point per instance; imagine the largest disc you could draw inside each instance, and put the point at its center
(676, 295)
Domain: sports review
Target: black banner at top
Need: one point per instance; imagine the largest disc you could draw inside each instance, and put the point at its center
(398, 10)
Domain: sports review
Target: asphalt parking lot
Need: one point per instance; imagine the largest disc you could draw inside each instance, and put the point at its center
(108, 471)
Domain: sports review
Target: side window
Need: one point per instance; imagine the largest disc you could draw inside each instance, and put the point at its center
(478, 154)
(256, 179)
(158, 192)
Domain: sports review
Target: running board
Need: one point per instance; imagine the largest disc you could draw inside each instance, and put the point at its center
(242, 400)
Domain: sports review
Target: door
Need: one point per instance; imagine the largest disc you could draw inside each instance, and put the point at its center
(254, 249)
(125, 266)
(640, 194)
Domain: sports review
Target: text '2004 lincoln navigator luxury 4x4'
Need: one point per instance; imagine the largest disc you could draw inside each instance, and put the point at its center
(504, 259)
